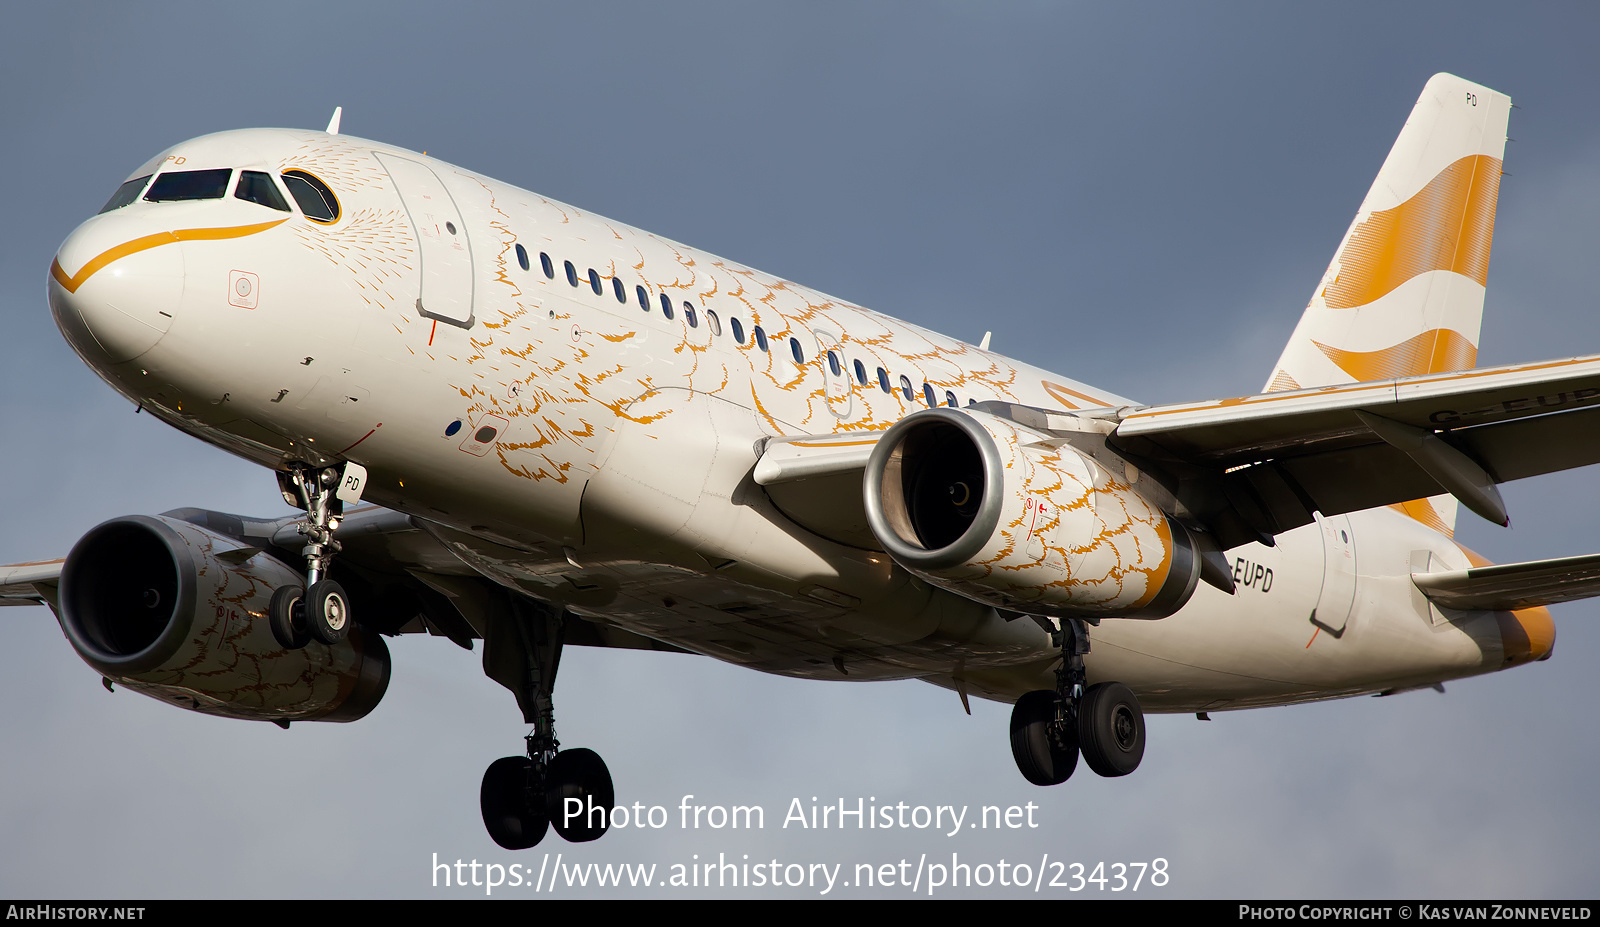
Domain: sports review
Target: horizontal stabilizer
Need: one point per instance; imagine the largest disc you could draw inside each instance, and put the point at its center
(1510, 586)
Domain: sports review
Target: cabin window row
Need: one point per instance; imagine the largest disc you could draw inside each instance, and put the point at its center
(693, 314)
(929, 394)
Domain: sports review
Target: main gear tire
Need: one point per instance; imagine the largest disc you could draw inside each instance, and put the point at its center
(1111, 729)
(579, 775)
(512, 801)
(1044, 756)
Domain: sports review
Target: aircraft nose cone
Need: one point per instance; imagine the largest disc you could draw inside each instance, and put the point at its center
(114, 287)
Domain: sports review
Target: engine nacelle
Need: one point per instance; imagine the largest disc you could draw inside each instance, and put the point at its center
(179, 613)
(1017, 518)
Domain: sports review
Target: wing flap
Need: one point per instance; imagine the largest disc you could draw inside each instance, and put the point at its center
(1511, 586)
(1531, 446)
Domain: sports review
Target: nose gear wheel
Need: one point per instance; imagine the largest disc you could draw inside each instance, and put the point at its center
(286, 615)
(319, 610)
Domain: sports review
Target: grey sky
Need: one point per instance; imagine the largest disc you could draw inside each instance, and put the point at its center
(1140, 196)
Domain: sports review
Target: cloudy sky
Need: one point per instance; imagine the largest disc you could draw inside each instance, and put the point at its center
(1140, 196)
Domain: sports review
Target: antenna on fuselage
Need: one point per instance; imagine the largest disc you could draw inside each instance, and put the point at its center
(984, 344)
(333, 124)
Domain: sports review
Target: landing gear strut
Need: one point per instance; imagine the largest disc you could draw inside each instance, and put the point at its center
(522, 796)
(320, 610)
(1049, 729)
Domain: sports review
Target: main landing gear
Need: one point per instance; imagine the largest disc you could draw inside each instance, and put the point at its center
(1103, 722)
(319, 610)
(523, 796)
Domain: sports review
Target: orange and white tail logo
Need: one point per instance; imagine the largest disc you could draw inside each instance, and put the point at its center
(1404, 293)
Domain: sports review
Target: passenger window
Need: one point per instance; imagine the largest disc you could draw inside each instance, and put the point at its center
(927, 393)
(861, 373)
(548, 265)
(644, 298)
(522, 257)
(174, 186)
(314, 197)
(572, 272)
(712, 322)
(125, 194)
(620, 290)
(761, 339)
(738, 329)
(905, 386)
(794, 348)
(689, 316)
(257, 187)
(950, 399)
(833, 363)
(883, 380)
(594, 282)
(666, 306)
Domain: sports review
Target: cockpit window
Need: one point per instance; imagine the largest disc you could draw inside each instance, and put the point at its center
(257, 187)
(314, 197)
(125, 194)
(189, 185)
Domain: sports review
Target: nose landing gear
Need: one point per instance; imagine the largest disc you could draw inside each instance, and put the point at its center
(321, 609)
(1103, 722)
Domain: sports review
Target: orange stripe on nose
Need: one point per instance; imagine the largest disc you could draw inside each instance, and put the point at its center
(1447, 225)
(145, 243)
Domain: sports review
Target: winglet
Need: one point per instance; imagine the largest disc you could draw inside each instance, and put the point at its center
(333, 124)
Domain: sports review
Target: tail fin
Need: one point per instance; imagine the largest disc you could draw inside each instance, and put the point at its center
(1404, 293)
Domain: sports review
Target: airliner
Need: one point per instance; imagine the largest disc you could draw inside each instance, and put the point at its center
(501, 418)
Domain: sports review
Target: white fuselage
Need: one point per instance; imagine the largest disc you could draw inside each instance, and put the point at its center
(572, 443)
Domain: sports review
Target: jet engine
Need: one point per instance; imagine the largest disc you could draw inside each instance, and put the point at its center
(1019, 519)
(179, 612)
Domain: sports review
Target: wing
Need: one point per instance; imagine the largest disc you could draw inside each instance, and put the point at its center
(30, 583)
(1254, 466)
(1510, 586)
(402, 564)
